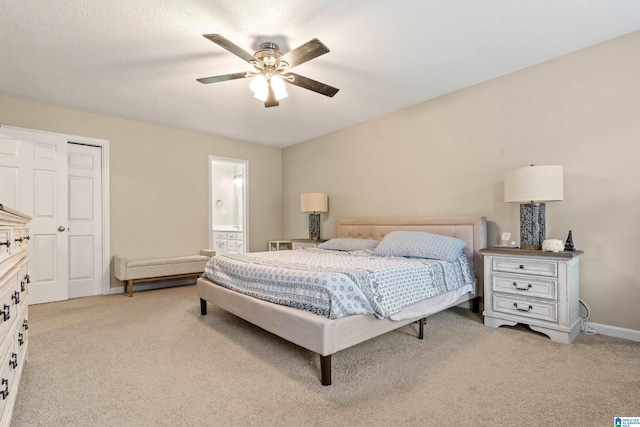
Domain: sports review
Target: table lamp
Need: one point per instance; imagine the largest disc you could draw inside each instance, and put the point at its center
(531, 186)
(314, 203)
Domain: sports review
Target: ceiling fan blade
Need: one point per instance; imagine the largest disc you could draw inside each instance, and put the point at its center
(230, 46)
(306, 52)
(307, 83)
(225, 77)
(271, 99)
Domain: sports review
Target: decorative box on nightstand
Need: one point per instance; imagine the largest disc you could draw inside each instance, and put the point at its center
(536, 288)
(306, 243)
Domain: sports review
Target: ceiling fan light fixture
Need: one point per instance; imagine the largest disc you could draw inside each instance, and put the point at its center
(260, 87)
(262, 94)
(272, 69)
(278, 87)
(258, 84)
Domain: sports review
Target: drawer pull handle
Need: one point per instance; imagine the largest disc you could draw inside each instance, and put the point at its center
(27, 238)
(16, 297)
(7, 243)
(515, 304)
(27, 278)
(521, 267)
(14, 360)
(522, 289)
(25, 324)
(23, 286)
(20, 338)
(19, 240)
(5, 392)
(6, 313)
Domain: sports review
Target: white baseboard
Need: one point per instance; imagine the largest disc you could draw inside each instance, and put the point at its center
(160, 284)
(615, 331)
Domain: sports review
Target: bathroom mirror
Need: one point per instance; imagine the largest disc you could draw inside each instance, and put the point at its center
(228, 232)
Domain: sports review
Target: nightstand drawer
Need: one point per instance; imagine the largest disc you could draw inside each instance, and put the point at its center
(527, 286)
(525, 308)
(528, 266)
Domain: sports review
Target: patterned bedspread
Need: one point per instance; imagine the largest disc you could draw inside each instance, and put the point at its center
(335, 284)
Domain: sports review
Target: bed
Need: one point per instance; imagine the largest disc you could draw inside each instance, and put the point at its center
(327, 336)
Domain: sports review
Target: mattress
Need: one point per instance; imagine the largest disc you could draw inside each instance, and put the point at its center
(336, 284)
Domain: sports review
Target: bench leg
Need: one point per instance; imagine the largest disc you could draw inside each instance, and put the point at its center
(203, 307)
(130, 282)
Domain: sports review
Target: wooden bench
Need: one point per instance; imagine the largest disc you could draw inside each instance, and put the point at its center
(132, 271)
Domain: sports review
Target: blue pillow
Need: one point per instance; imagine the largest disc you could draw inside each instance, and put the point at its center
(349, 244)
(419, 244)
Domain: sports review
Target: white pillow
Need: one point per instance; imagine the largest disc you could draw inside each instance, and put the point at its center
(349, 244)
(419, 244)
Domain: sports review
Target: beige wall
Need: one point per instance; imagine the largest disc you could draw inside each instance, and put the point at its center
(159, 179)
(448, 156)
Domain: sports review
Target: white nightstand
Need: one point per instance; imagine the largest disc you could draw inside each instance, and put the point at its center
(306, 243)
(536, 288)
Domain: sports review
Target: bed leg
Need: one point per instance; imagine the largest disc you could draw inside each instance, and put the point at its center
(325, 369)
(203, 307)
(475, 305)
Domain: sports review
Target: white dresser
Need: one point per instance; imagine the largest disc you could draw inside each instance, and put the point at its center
(536, 288)
(14, 293)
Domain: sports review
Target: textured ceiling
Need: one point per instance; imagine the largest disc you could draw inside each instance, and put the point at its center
(139, 59)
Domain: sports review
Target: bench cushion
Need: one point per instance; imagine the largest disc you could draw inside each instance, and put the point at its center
(131, 269)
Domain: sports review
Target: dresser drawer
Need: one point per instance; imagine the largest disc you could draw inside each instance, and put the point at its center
(23, 285)
(527, 286)
(22, 339)
(526, 308)
(7, 374)
(528, 266)
(22, 342)
(8, 308)
(5, 235)
(21, 238)
(219, 235)
(232, 245)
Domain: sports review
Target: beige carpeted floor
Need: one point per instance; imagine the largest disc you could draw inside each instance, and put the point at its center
(152, 360)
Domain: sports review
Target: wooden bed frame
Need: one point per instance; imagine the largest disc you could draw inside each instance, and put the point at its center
(326, 336)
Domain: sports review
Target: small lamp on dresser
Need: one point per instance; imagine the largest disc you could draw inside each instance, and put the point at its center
(314, 203)
(531, 186)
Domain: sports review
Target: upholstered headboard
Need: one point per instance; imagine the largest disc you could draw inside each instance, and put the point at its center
(471, 229)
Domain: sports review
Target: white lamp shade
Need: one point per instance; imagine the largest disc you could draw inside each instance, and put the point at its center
(314, 202)
(534, 184)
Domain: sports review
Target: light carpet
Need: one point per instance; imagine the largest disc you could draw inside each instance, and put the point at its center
(152, 360)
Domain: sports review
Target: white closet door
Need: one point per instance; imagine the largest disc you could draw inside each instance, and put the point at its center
(35, 167)
(85, 220)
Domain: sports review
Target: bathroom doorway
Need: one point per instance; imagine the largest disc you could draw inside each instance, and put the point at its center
(228, 207)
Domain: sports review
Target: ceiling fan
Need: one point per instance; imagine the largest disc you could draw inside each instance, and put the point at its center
(272, 69)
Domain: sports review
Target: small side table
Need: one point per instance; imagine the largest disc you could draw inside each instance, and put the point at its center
(306, 243)
(280, 245)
